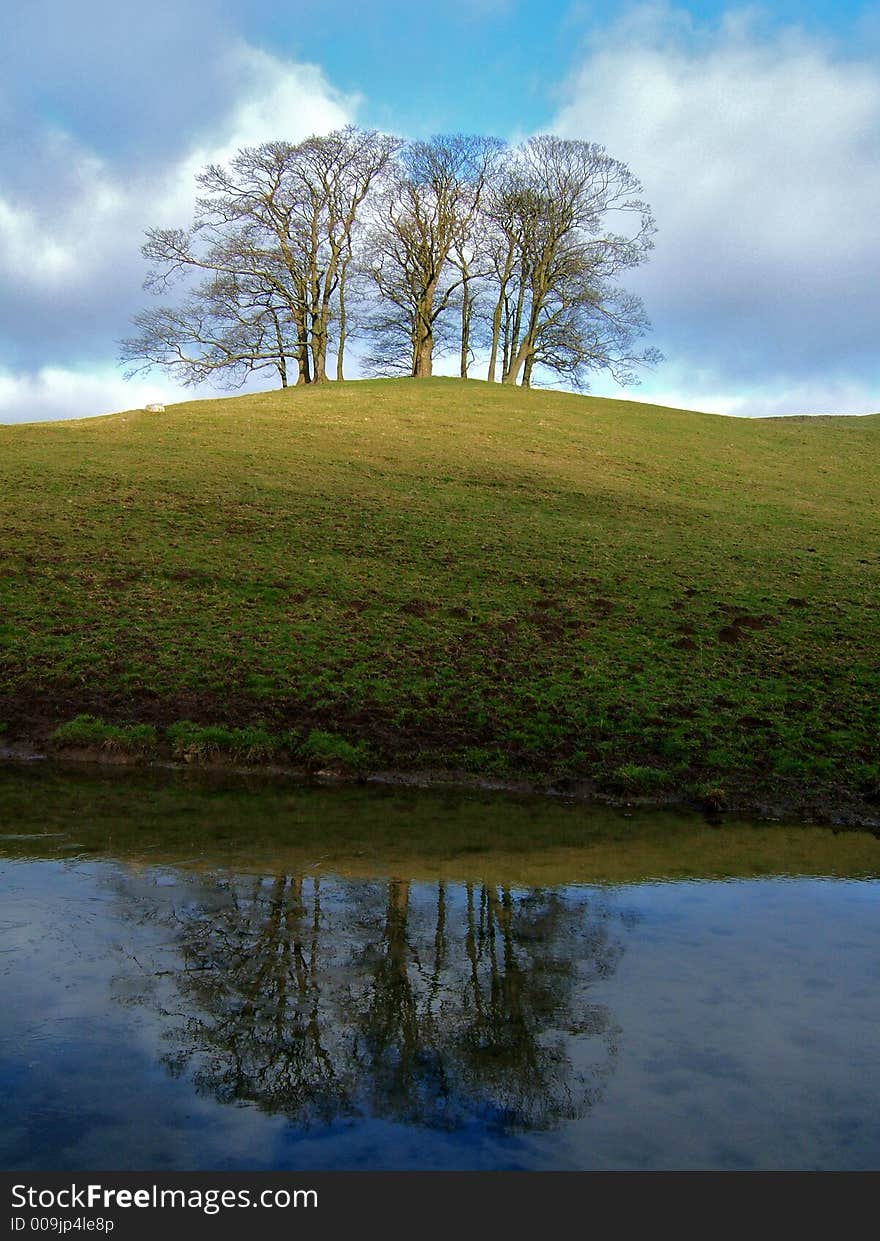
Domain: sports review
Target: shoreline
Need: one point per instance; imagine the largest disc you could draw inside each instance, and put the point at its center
(833, 806)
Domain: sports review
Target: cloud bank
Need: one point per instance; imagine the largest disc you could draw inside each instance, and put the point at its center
(760, 155)
(69, 239)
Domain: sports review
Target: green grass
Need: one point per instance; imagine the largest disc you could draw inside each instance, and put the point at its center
(456, 575)
(631, 778)
(86, 732)
(322, 751)
(206, 742)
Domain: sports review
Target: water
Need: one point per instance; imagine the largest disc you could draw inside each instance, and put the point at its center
(214, 976)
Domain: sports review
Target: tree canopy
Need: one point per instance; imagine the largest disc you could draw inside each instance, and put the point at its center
(414, 250)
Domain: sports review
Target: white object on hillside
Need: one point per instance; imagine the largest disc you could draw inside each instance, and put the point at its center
(155, 409)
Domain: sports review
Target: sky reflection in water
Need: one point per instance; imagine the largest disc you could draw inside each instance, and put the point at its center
(168, 1015)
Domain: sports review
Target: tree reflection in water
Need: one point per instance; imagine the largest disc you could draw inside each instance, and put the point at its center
(438, 1005)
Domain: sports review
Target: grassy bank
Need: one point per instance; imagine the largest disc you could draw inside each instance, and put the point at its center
(457, 576)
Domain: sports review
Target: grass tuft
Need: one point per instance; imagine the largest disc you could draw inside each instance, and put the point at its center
(633, 778)
(204, 743)
(329, 751)
(87, 732)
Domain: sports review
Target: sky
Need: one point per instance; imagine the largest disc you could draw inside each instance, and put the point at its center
(755, 131)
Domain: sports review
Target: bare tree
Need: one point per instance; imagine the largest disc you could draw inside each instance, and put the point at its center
(224, 330)
(277, 223)
(468, 259)
(429, 210)
(245, 233)
(332, 177)
(506, 220)
(555, 259)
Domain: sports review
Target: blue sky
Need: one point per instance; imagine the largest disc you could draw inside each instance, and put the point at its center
(755, 130)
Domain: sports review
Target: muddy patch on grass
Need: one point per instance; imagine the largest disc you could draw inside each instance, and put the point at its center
(418, 607)
(740, 625)
(198, 577)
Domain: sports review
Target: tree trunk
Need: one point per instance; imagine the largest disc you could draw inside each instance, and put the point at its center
(279, 341)
(424, 356)
(465, 327)
(527, 344)
(518, 348)
(505, 355)
(423, 333)
(496, 316)
(496, 334)
(340, 349)
(516, 365)
(319, 354)
(302, 350)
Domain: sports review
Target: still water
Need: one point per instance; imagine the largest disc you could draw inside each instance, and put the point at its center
(212, 976)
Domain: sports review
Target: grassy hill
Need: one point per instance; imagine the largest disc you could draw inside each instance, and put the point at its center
(452, 575)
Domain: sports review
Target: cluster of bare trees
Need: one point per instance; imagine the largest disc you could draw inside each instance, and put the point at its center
(416, 249)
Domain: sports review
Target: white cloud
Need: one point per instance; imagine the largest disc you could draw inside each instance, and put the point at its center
(760, 155)
(53, 244)
(825, 396)
(680, 386)
(26, 253)
(57, 392)
(69, 250)
(278, 99)
(95, 215)
(273, 99)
